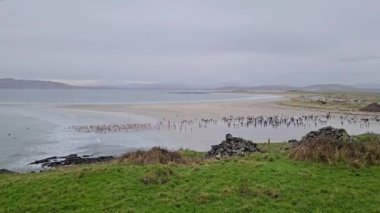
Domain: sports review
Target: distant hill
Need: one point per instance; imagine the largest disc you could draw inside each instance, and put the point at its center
(314, 88)
(153, 86)
(329, 87)
(368, 86)
(9, 83)
(260, 88)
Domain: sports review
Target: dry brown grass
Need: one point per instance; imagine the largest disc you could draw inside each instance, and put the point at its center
(158, 175)
(156, 155)
(328, 150)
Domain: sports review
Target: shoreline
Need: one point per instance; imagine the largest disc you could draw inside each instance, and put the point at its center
(196, 138)
(209, 108)
(187, 109)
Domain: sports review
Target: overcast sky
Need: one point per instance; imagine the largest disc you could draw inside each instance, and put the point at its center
(201, 42)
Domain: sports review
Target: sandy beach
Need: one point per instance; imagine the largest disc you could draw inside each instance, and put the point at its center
(211, 109)
(204, 122)
(113, 128)
(192, 110)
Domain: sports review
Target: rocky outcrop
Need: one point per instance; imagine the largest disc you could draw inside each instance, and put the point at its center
(71, 160)
(331, 132)
(374, 107)
(293, 143)
(233, 147)
(5, 171)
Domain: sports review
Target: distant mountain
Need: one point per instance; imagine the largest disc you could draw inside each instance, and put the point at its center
(310, 88)
(328, 87)
(158, 86)
(9, 83)
(260, 88)
(368, 86)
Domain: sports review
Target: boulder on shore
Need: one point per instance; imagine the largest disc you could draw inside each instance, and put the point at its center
(374, 107)
(331, 132)
(233, 146)
(71, 160)
(5, 171)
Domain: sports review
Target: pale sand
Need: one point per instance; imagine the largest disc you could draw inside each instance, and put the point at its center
(191, 110)
(201, 139)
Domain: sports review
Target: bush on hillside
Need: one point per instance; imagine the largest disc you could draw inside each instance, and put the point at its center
(332, 151)
(374, 107)
(158, 175)
(156, 155)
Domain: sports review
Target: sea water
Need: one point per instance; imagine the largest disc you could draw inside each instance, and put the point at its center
(33, 128)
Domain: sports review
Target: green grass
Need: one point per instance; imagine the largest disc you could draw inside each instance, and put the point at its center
(359, 151)
(268, 182)
(301, 103)
(368, 137)
(302, 100)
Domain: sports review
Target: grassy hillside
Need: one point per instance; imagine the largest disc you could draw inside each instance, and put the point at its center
(335, 101)
(268, 182)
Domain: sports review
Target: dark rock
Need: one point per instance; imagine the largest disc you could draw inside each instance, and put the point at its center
(374, 107)
(46, 160)
(322, 102)
(293, 143)
(233, 147)
(331, 132)
(229, 137)
(5, 171)
(71, 160)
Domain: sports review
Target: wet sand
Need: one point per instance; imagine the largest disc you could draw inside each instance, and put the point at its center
(191, 110)
(215, 110)
(199, 135)
(112, 129)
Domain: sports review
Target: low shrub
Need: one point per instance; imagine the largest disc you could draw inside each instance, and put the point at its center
(244, 188)
(329, 150)
(367, 137)
(156, 155)
(158, 175)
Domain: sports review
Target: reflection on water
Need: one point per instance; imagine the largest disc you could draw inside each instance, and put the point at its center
(104, 96)
(35, 131)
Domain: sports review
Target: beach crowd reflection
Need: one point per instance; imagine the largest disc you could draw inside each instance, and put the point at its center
(275, 121)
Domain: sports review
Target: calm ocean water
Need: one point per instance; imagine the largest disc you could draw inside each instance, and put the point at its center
(104, 96)
(32, 127)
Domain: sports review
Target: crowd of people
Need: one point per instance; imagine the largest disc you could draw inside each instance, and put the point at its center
(260, 121)
(297, 121)
(103, 129)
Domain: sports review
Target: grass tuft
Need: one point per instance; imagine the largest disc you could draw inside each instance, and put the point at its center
(247, 184)
(367, 137)
(158, 175)
(203, 198)
(245, 188)
(159, 155)
(357, 153)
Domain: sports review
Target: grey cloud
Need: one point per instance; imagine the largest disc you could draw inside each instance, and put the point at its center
(360, 59)
(202, 42)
